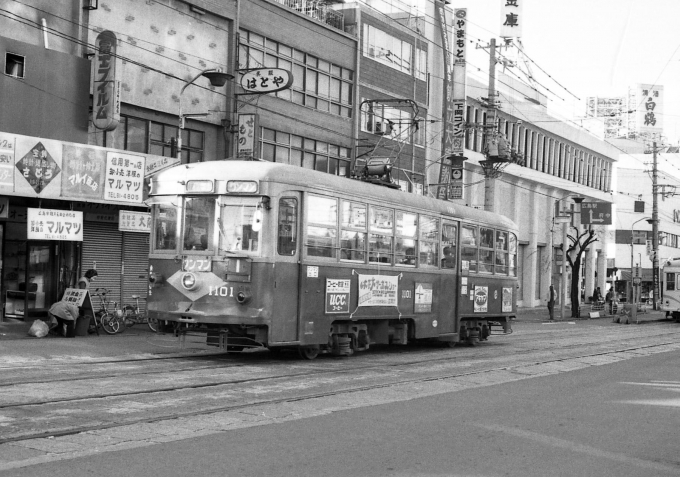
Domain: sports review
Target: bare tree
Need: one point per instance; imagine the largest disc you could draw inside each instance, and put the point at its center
(579, 243)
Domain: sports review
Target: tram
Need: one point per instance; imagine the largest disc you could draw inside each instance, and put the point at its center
(670, 302)
(260, 254)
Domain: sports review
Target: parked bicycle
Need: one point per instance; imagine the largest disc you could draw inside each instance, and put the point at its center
(109, 316)
(133, 315)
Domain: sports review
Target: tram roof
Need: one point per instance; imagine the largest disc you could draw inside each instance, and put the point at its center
(171, 182)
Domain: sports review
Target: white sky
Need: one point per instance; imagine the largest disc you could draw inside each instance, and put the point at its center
(591, 48)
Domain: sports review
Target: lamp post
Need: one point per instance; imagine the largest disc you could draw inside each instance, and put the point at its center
(564, 220)
(632, 246)
(217, 79)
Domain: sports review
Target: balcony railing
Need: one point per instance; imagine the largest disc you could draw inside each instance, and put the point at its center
(318, 10)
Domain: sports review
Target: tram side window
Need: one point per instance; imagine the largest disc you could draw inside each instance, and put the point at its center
(449, 233)
(322, 226)
(512, 255)
(469, 246)
(165, 226)
(288, 217)
(502, 252)
(236, 225)
(407, 232)
(353, 233)
(380, 240)
(199, 217)
(670, 281)
(486, 251)
(428, 244)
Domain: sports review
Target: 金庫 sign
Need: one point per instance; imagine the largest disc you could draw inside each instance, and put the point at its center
(266, 80)
(511, 18)
(52, 224)
(596, 213)
(124, 177)
(133, 221)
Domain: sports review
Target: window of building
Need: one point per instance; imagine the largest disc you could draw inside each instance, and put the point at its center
(384, 120)
(277, 146)
(387, 49)
(317, 83)
(421, 64)
(409, 181)
(14, 65)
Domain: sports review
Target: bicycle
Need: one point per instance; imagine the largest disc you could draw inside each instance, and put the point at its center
(109, 320)
(133, 315)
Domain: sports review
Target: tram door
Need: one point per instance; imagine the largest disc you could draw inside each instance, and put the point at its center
(449, 255)
(287, 270)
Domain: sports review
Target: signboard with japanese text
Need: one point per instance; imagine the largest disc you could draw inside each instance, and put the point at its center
(247, 135)
(596, 213)
(101, 217)
(337, 295)
(423, 298)
(83, 174)
(511, 18)
(105, 85)
(133, 221)
(75, 296)
(265, 80)
(650, 108)
(6, 162)
(124, 177)
(158, 163)
(378, 290)
(481, 299)
(53, 224)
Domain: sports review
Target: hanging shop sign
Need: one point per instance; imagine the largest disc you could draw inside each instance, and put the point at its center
(265, 80)
(247, 135)
(133, 221)
(105, 85)
(53, 224)
(124, 177)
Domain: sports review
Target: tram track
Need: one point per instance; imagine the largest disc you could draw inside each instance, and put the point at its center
(518, 366)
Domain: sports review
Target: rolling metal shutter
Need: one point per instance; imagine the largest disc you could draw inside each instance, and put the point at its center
(102, 250)
(135, 267)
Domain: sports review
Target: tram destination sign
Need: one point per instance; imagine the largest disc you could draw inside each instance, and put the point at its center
(596, 213)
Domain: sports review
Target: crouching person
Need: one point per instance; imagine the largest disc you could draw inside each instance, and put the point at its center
(66, 315)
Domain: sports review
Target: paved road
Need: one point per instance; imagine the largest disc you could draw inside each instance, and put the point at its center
(136, 403)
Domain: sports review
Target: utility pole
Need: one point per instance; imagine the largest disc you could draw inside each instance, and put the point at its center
(489, 181)
(655, 230)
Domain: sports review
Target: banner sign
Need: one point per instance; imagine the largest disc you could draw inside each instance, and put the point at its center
(124, 177)
(52, 224)
(481, 299)
(423, 298)
(105, 86)
(378, 290)
(133, 221)
(337, 295)
(650, 108)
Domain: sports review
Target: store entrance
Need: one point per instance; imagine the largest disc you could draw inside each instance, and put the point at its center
(29, 278)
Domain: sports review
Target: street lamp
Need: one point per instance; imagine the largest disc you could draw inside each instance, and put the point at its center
(217, 79)
(564, 220)
(632, 246)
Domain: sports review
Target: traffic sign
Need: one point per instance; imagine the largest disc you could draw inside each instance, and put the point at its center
(596, 213)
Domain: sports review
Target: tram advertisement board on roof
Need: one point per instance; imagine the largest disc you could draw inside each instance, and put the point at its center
(378, 290)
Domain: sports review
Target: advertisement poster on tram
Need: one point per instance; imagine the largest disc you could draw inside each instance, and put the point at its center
(507, 299)
(378, 290)
(481, 299)
(423, 298)
(337, 295)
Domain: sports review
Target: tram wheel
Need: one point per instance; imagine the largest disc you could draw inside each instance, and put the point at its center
(308, 353)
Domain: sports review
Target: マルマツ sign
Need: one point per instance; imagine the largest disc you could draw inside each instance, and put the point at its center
(124, 177)
(52, 224)
(378, 290)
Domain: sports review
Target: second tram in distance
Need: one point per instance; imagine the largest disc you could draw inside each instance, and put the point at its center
(271, 255)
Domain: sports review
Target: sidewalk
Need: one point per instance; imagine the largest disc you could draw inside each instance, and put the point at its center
(540, 314)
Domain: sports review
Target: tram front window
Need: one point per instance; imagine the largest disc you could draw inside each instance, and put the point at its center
(199, 216)
(165, 220)
(239, 231)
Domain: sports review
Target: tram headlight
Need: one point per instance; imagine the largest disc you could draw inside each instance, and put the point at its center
(189, 281)
(243, 297)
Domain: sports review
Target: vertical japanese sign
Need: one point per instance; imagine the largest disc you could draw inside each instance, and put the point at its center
(105, 87)
(133, 221)
(52, 224)
(457, 103)
(511, 18)
(650, 108)
(337, 295)
(124, 177)
(7, 148)
(378, 290)
(247, 135)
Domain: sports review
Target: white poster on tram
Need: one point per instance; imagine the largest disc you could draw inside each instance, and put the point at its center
(481, 299)
(378, 290)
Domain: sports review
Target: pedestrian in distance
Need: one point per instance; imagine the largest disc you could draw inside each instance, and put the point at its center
(551, 302)
(87, 279)
(609, 299)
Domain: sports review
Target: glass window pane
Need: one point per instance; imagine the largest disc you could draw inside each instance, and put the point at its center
(345, 93)
(353, 215)
(199, 217)
(429, 254)
(298, 55)
(268, 134)
(296, 157)
(324, 85)
(282, 138)
(486, 237)
(353, 246)
(323, 210)
(321, 146)
(298, 77)
(311, 60)
(298, 98)
(296, 141)
(243, 57)
(136, 135)
(287, 238)
(501, 240)
(270, 61)
(268, 152)
(321, 164)
(236, 229)
(343, 168)
(256, 58)
(469, 255)
(308, 160)
(407, 224)
(285, 50)
(501, 263)
(429, 228)
(155, 132)
(255, 39)
(333, 166)
(324, 65)
(165, 227)
(322, 105)
(310, 81)
(320, 241)
(335, 89)
(310, 101)
(449, 245)
(486, 261)
(282, 155)
(405, 252)
(335, 70)
(379, 248)
(381, 220)
(469, 236)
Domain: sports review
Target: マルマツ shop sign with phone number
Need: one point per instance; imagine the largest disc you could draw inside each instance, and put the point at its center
(53, 224)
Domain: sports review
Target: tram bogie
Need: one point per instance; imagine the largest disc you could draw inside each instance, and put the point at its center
(266, 255)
